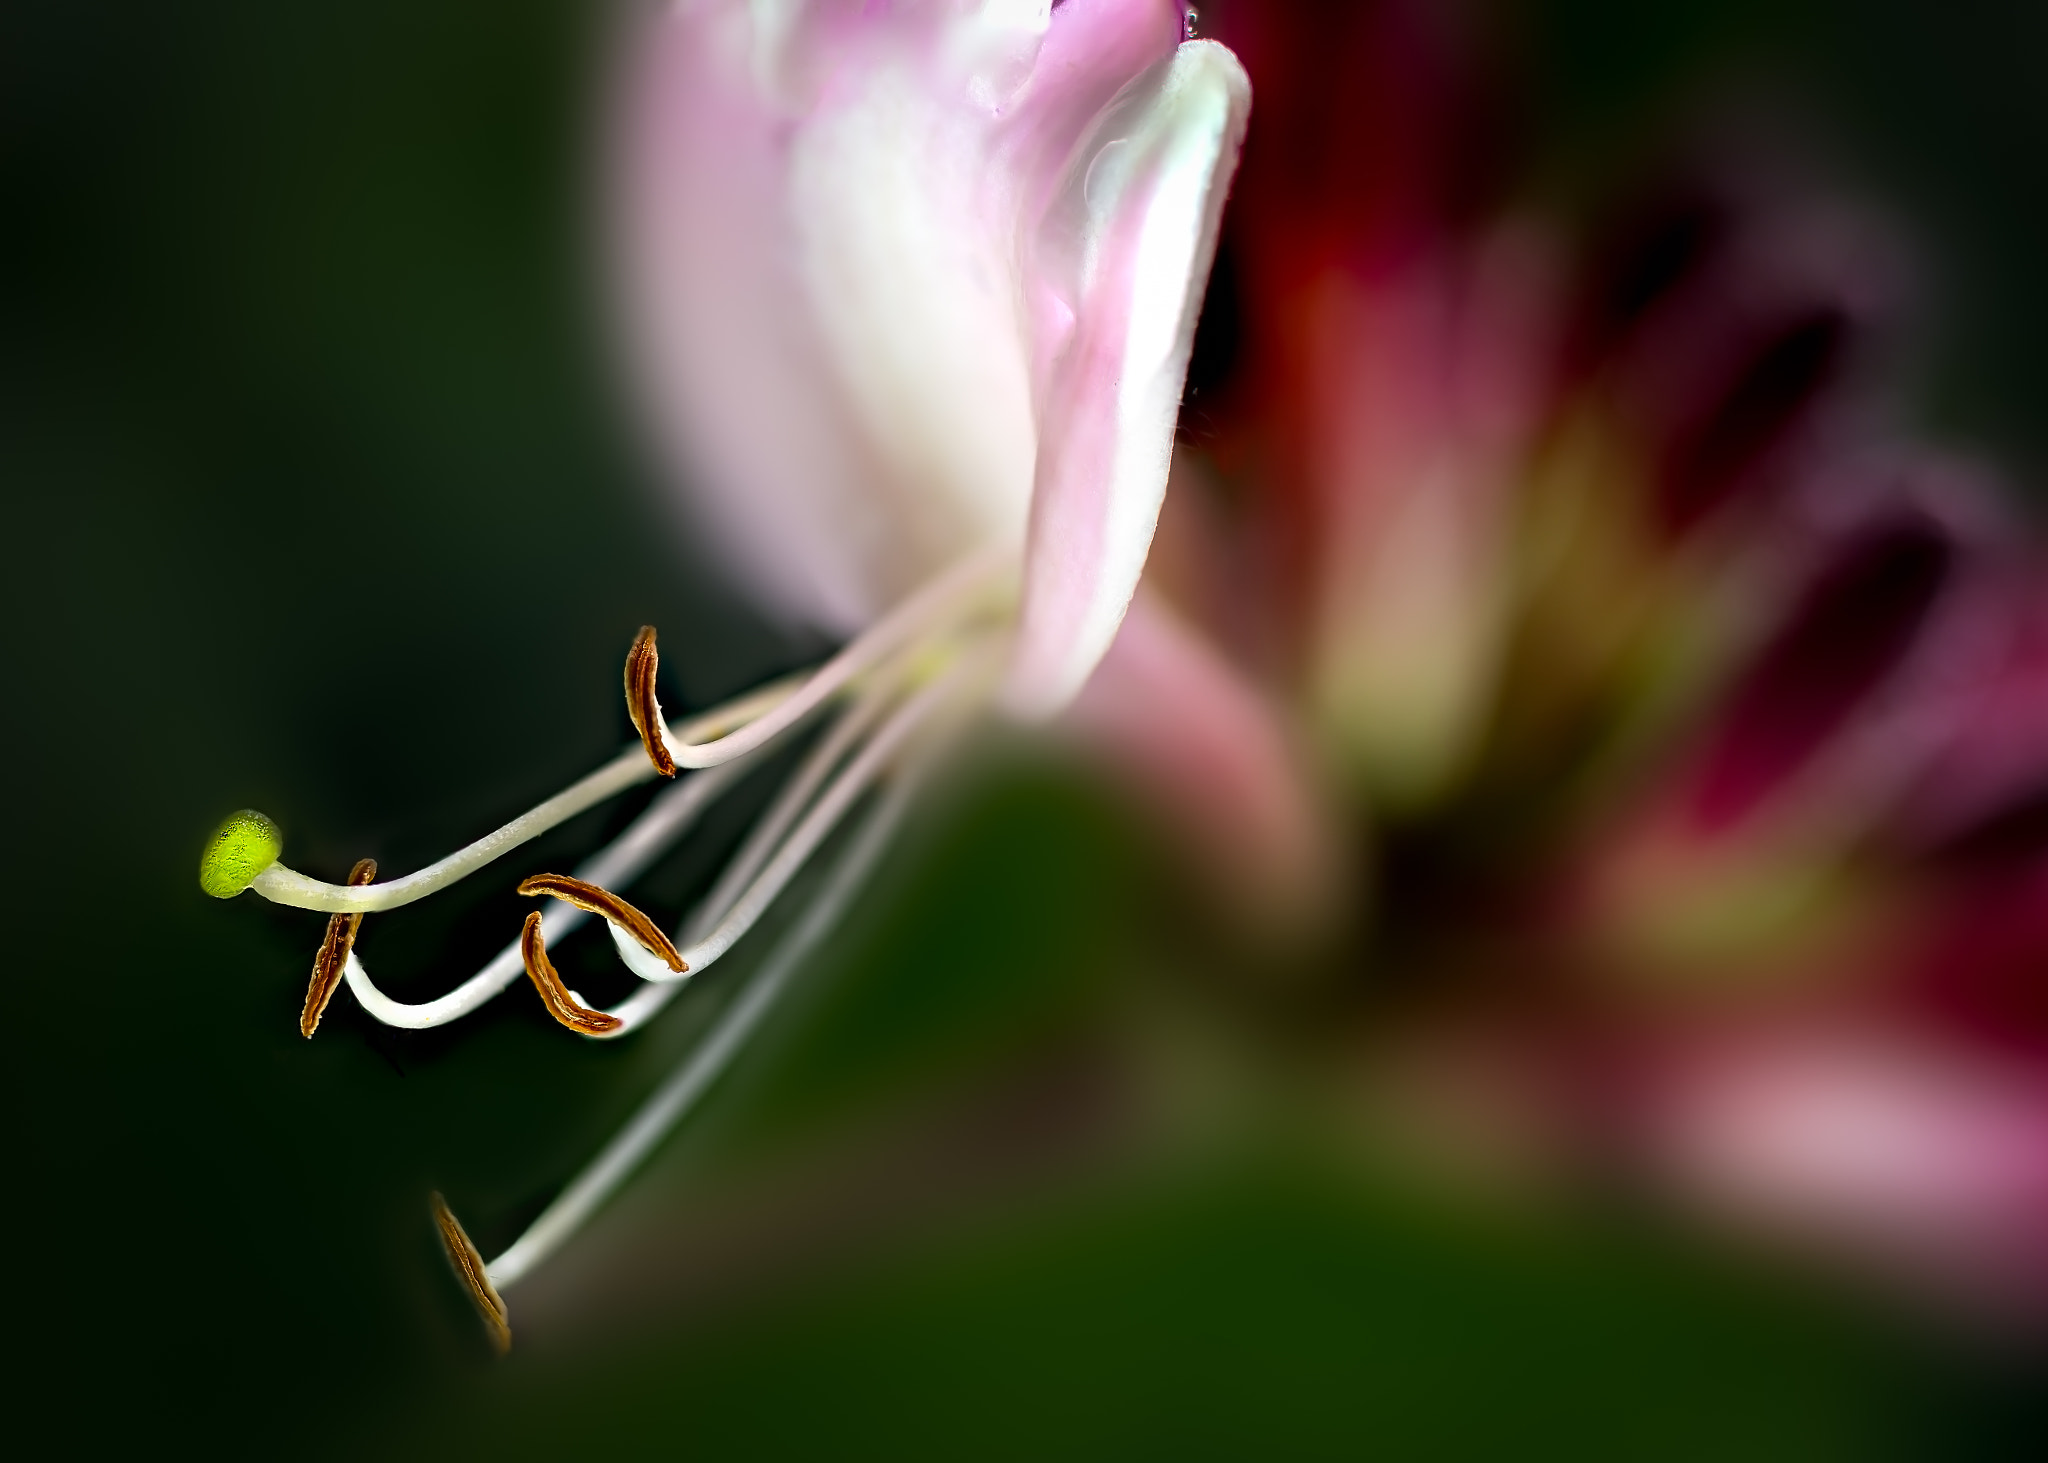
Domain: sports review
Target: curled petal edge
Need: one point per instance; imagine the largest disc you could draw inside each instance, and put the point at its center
(1151, 187)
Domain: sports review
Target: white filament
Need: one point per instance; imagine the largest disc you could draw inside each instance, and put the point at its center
(817, 824)
(757, 718)
(796, 794)
(666, 819)
(674, 1098)
(952, 596)
(729, 921)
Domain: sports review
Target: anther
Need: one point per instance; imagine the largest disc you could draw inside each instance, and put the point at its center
(558, 998)
(641, 661)
(469, 1269)
(602, 901)
(332, 960)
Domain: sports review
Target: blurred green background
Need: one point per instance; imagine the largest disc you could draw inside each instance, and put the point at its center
(319, 499)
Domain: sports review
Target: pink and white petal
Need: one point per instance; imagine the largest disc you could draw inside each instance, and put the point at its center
(906, 243)
(818, 273)
(1209, 754)
(729, 365)
(1090, 52)
(1141, 204)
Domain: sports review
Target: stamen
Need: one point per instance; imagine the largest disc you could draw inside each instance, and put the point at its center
(469, 1269)
(851, 729)
(563, 1004)
(332, 958)
(847, 733)
(602, 901)
(729, 733)
(822, 817)
(668, 817)
(955, 596)
(674, 1098)
(926, 714)
(641, 704)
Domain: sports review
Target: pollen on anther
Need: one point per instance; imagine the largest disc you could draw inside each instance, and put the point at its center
(469, 1269)
(601, 901)
(641, 705)
(557, 997)
(332, 958)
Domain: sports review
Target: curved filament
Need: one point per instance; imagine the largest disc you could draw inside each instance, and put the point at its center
(666, 819)
(733, 731)
(662, 1111)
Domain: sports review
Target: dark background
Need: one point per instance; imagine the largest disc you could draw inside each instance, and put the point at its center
(318, 499)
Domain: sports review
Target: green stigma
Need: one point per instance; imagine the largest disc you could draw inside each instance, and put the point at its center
(240, 849)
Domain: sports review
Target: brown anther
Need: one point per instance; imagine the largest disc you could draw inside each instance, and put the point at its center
(641, 662)
(332, 959)
(602, 901)
(553, 994)
(468, 1266)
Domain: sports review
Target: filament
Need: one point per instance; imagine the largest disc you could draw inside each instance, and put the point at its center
(666, 819)
(730, 732)
(831, 750)
(674, 1098)
(951, 595)
(859, 720)
(817, 824)
(287, 886)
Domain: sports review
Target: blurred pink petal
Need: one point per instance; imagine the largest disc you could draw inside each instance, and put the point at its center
(1207, 752)
(1928, 1160)
(1983, 789)
(1845, 636)
(1722, 331)
(1420, 396)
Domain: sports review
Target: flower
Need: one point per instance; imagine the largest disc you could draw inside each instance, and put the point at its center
(1689, 714)
(910, 290)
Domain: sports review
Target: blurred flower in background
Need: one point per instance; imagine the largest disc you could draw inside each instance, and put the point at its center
(1680, 722)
